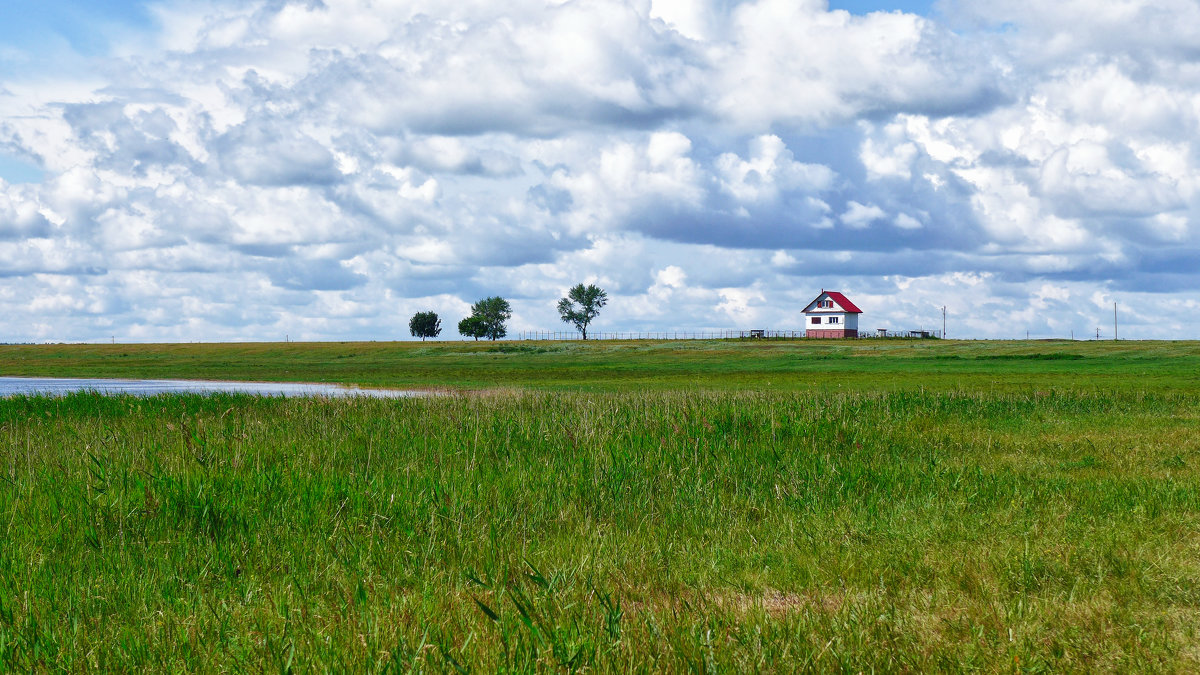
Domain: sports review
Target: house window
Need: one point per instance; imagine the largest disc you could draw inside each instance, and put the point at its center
(816, 319)
(835, 319)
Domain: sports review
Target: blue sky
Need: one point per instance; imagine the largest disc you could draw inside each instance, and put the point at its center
(246, 170)
(82, 24)
(923, 7)
(49, 36)
(15, 170)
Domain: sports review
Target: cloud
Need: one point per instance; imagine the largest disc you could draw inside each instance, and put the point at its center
(321, 168)
(262, 154)
(793, 62)
(860, 216)
(20, 216)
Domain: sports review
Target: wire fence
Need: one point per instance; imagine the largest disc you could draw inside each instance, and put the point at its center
(710, 335)
(642, 335)
(908, 334)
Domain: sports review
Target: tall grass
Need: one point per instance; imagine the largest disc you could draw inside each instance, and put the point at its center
(662, 531)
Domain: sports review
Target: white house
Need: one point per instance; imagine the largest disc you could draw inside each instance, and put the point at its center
(831, 315)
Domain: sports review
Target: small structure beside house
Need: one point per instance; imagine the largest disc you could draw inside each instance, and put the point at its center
(831, 315)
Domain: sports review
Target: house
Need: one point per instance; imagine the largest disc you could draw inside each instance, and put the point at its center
(831, 315)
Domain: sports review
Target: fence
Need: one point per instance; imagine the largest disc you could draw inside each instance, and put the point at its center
(710, 335)
(642, 335)
(910, 334)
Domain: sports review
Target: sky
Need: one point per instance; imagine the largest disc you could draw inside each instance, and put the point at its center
(218, 170)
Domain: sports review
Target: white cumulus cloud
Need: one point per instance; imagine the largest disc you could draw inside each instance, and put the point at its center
(323, 169)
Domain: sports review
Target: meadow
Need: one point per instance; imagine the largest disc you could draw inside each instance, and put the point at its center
(769, 506)
(650, 365)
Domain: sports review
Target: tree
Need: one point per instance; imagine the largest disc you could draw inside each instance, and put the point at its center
(581, 305)
(425, 325)
(472, 326)
(492, 314)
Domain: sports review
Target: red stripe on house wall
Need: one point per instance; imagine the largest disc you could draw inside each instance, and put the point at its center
(840, 333)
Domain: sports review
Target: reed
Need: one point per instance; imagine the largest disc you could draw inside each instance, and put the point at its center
(681, 531)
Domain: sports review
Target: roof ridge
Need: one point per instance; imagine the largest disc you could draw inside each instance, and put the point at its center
(840, 299)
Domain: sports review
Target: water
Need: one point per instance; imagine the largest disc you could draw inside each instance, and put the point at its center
(60, 386)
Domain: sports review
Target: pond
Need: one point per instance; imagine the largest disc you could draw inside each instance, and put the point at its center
(60, 386)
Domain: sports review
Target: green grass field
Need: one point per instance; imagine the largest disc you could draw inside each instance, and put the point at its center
(714, 506)
(620, 366)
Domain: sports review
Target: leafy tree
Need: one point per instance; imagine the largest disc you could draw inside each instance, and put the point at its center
(425, 325)
(492, 313)
(472, 326)
(581, 305)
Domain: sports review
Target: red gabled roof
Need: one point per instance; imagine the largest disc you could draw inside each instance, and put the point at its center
(841, 300)
(844, 302)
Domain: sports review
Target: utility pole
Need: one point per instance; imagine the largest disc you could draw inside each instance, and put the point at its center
(943, 322)
(1114, 321)
(1097, 332)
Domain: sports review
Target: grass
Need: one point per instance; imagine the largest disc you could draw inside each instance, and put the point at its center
(1044, 523)
(613, 366)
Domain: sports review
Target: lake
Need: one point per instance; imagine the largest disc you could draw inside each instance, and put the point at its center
(60, 386)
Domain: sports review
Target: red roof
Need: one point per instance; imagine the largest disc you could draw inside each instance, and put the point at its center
(842, 301)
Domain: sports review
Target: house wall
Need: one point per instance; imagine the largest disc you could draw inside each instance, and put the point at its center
(843, 320)
(847, 325)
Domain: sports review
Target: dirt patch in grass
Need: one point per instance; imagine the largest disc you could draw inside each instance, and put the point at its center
(772, 602)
